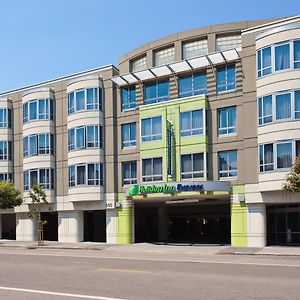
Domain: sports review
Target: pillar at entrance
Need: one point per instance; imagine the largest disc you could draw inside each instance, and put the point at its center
(257, 225)
(162, 224)
(111, 226)
(125, 223)
(26, 228)
(70, 226)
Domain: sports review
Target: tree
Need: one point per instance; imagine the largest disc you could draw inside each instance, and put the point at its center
(292, 181)
(38, 199)
(10, 197)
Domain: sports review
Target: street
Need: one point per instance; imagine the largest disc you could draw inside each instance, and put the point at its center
(91, 274)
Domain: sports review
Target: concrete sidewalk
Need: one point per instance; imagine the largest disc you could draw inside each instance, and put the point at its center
(157, 249)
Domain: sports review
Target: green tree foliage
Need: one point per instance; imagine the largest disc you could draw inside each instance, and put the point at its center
(10, 197)
(292, 181)
(38, 201)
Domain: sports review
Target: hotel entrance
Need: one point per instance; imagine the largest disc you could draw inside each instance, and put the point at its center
(197, 222)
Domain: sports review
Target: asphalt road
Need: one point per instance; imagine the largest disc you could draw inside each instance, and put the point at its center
(83, 274)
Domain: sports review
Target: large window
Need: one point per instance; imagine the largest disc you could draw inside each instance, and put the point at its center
(152, 169)
(278, 107)
(38, 144)
(6, 177)
(151, 129)
(42, 177)
(165, 56)
(192, 165)
(128, 135)
(194, 49)
(139, 64)
(191, 85)
(41, 109)
(5, 118)
(227, 120)
(282, 57)
(86, 174)
(278, 57)
(265, 110)
(283, 106)
(264, 63)
(5, 150)
(85, 137)
(228, 163)
(191, 122)
(266, 157)
(86, 99)
(156, 92)
(226, 78)
(128, 96)
(284, 155)
(129, 172)
(228, 42)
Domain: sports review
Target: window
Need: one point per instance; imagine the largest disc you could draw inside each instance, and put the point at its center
(5, 150)
(6, 177)
(296, 54)
(192, 166)
(129, 172)
(89, 174)
(194, 49)
(38, 144)
(264, 64)
(228, 163)
(191, 122)
(85, 137)
(297, 104)
(228, 42)
(128, 135)
(266, 158)
(265, 110)
(139, 64)
(282, 57)
(151, 129)
(284, 155)
(226, 78)
(156, 92)
(283, 106)
(87, 99)
(164, 57)
(192, 85)
(227, 120)
(152, 169)
(128, 95)
(41, 109)
(5, 118)
(42, 177)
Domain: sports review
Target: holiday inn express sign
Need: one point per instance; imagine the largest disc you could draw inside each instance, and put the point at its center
(177, 187)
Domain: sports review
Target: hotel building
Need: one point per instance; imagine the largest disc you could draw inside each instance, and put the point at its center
(190, 140)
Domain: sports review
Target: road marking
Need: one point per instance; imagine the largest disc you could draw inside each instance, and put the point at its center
(57, 293)
(124, 270)
(156, 259)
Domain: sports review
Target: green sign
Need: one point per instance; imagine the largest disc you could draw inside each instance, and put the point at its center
(147, 189)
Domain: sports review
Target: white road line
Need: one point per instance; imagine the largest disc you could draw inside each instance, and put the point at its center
(159, 259)
(57, 294)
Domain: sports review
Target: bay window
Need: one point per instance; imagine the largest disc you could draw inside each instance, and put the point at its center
(85, 99)
(6, 150)
(42, 177)
(265, 110)
(266, 157)
(5, 118)
(282, 57)
(38, 144)
(41, 109)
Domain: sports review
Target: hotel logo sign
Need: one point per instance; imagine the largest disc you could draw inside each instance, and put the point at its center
(177, 187)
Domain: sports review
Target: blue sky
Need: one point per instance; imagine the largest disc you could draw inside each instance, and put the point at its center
(42, 40)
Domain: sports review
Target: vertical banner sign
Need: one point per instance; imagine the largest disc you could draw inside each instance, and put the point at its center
(169, 147)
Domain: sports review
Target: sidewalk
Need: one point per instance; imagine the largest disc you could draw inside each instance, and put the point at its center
(157, 249)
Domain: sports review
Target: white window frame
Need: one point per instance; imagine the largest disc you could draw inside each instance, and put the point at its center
(131, 180)
(128, 143)
(227, 128)
(151, 135)
(191, 130)
(152, 175)
(201, 178)
(228, 170)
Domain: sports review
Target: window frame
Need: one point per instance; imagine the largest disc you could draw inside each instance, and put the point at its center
(132, 140)
(157, 98)
(227, 128)
(193, 92)
(193, 131)
(47, 115)
(152, 137)
(157, 177)
(130, 103)
(129, 180)
(193, 173)
(47, 185)
(228, 170)
(227, 83)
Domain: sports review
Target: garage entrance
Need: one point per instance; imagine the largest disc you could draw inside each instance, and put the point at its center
(95, 226)
(8, 226)
(185, 223)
